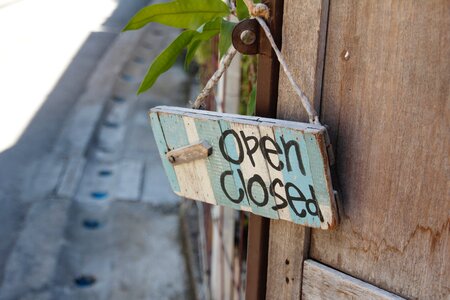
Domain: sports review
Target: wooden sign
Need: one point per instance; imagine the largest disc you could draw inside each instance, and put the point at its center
(273, 168)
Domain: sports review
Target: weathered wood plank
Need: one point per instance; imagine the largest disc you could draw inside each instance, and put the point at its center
(254, 169)
(274, 173)
(324, 190)
(210, 130)
(301, 177)
(231, 149)
(286, 254)
(162, 147)
(176, 137)
(386, 99)
(241, 157)
(304, 22)
(322, 282)
(199, 171)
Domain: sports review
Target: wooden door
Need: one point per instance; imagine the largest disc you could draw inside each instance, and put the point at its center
(379, 72)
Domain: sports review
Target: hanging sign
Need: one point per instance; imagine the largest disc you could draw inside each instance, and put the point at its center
(272, 168)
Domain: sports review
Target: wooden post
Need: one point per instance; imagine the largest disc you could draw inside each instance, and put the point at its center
(304, 32)
(267, 95)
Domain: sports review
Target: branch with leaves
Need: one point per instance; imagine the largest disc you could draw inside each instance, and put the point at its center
(201, 21)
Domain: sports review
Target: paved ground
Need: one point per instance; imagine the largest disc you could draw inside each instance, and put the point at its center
(86, 211)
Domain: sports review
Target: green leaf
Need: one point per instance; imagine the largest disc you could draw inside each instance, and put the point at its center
(205, 32)
(189, 14)
(226, 30)
(251, 105)
(213, 25)
(241, 10)
(208, 30)
(191, 49)
(166, 59)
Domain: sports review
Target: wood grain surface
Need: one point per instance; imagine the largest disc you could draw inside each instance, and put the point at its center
(195, 151)
(386, 100)
(304, 31)
(322, 282)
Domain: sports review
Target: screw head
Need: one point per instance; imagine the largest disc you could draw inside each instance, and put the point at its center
(248, 37)
(171, 159)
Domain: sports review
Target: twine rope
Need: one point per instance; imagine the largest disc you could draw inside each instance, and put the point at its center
(260, 12)
(312, 114)
(224, 64)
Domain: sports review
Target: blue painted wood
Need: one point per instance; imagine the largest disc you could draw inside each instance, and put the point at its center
(210, 130)
(296, 176)
(174, 132)
(310, 181)
(318, 171)
(162, 147)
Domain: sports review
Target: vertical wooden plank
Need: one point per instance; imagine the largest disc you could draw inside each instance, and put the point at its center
(196, 171)
(176, 137)
(257, 257)
(323, 188)
(228, 232)
(300, 175)
(304, 22)
(217, 290)
(284, 213)
(288, 244)
(232, 150)
(266, 106)
(162, 147)
(209, 129)
(258, 192)
(386, 100)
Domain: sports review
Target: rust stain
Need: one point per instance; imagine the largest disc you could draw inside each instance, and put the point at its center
(375, 248)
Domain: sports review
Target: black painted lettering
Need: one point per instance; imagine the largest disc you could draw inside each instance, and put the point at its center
(251, 150)
(238, 143)
(224, 189)
(287, 146)
(313, 202)
(267, 151)
(291, 198)
(241, 178)
(257, 179)
(283, 203)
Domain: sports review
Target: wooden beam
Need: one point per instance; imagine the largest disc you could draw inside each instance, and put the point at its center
(304, 32)
(267, 95)
(322, 282)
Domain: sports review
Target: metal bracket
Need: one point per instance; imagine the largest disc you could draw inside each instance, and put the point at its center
(248, 38)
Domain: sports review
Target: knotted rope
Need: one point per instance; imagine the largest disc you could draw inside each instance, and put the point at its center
(260, 12)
